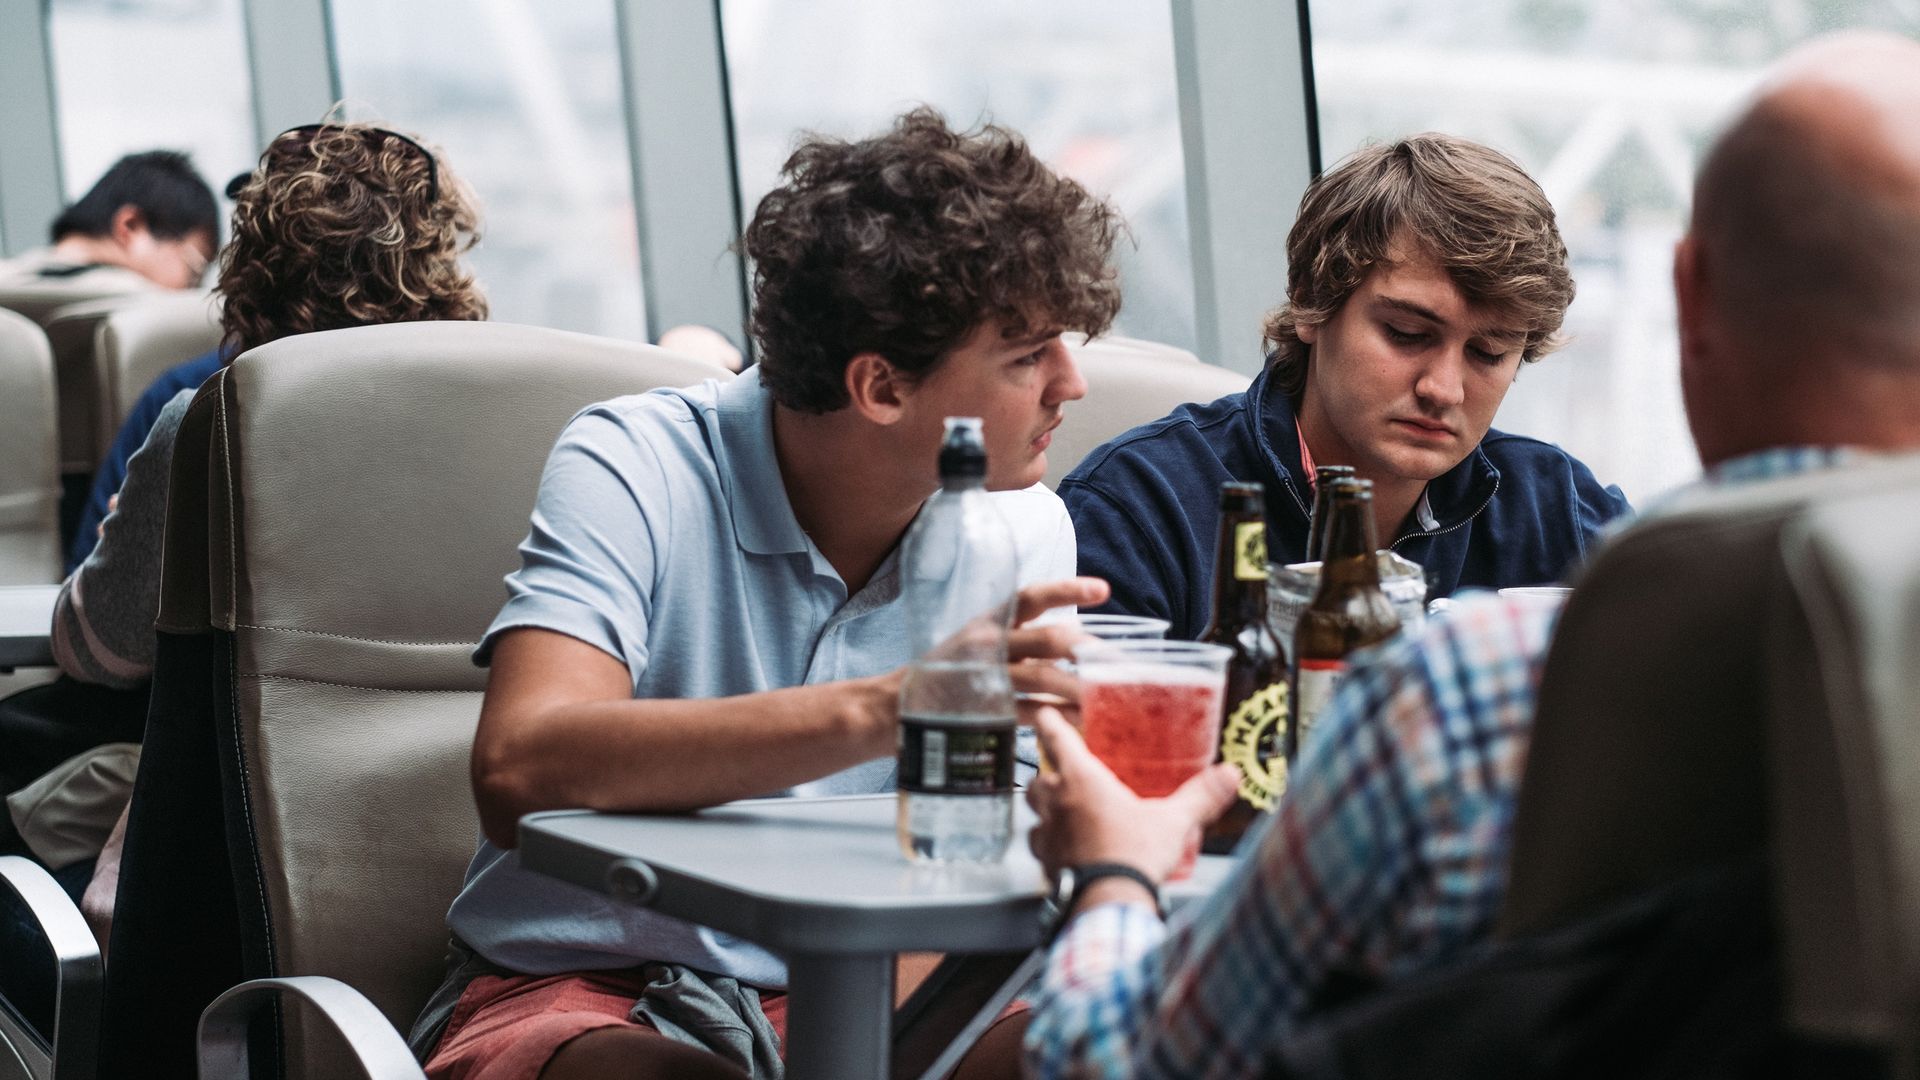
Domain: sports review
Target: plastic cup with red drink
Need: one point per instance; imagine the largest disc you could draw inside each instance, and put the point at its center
(1150, 710)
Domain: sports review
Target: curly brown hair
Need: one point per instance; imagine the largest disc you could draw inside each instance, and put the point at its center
(904, 243)
(341, 225)
(1469, 206)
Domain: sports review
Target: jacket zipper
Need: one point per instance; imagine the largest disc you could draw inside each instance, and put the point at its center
(1456, 525)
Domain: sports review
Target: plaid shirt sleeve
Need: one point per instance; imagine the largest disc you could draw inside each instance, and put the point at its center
(1387, 856)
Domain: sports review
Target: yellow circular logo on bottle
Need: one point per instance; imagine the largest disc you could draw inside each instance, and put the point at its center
(1264, 710)
(1250, 551)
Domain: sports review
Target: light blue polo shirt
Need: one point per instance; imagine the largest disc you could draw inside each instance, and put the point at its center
(662, 535)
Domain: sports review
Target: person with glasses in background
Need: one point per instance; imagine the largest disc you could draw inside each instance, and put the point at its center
(188, 375)
(340, 225)
(148, 222)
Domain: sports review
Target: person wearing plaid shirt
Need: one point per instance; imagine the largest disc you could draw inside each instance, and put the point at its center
(1388, 858)
(1388, 855)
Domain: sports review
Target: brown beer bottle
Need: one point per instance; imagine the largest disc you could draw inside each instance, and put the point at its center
(1348, 612)
(1323, 478)
(1255, 705)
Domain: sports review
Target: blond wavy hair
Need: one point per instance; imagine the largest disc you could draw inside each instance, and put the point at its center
(1467, 205)
(341, 225)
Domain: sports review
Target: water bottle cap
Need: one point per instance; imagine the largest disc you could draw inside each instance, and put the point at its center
(963, 453)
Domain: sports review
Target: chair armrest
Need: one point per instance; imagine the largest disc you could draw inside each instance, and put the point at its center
(77, 967)
(381, 1052)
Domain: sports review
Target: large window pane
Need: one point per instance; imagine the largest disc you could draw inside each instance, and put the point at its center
(1089, 82)
(1609, 105)
(526, 100)
(132, 75)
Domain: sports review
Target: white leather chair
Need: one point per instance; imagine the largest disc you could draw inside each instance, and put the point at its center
(89, 411)
(135, 343)
(38, 298)
(1129, 382)
(29, 472)
(369, 488)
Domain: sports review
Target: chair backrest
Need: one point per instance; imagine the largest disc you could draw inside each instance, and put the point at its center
(1647, 757)
(1683, 644)
(29, 466)
(379, 480)
(1845, 755)
(135, 343)
(38, 298)
(1129, 383)
(86, 400)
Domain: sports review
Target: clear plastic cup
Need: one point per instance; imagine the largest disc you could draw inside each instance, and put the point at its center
(1105, 628)
(1151, 711)
(1538, 594)
(1123, 627)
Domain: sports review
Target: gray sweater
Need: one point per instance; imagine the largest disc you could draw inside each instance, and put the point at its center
(103, 621)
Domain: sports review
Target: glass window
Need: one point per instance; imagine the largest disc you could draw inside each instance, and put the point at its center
(133, 75)
(1609, 105)
(1090, 83)
(526, 100)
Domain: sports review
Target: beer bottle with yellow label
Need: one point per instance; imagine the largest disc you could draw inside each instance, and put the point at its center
(1348, 612)
(1256, 697)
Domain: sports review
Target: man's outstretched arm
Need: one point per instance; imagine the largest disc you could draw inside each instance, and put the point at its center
(560, 727)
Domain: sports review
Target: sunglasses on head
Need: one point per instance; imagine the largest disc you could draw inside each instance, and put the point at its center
(433, 169)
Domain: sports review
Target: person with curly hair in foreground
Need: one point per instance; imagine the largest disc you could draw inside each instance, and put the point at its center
(709, 604)
(342, 224)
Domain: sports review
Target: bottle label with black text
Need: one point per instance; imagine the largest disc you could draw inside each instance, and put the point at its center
(940, 756)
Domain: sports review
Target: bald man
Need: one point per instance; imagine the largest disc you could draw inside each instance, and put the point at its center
(1799, 308)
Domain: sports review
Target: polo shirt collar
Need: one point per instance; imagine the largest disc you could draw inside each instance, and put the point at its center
(1448, 500)
(763, 519)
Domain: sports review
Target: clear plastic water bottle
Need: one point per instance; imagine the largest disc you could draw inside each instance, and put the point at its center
(959, 573)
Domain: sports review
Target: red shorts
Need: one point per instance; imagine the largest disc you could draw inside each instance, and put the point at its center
(509, 1027)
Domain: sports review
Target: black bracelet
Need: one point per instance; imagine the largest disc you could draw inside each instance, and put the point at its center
(1085, 877)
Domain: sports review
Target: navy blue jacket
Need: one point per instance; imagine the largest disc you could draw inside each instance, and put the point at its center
(1145, 506)
(133, 435)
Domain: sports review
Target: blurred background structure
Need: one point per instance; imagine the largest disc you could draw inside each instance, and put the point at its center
(615, 143)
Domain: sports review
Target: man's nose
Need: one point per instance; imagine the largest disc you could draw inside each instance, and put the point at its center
(1442, 382)
(1066, 384)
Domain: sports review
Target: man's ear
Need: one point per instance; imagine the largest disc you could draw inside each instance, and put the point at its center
(875, 388)
(1690, 290)
(126, 222)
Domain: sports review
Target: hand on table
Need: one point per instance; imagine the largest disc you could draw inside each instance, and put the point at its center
(1089, 815)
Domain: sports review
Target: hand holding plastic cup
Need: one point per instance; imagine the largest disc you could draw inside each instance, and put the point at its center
(1150, 710)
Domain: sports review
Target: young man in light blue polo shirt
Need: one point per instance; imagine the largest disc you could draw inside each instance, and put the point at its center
(708, 606)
